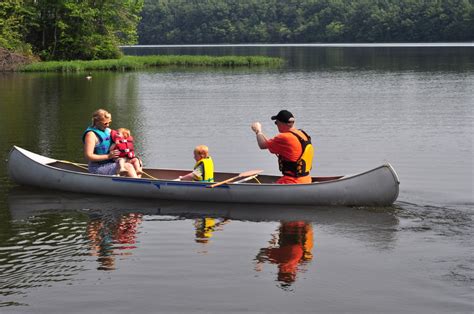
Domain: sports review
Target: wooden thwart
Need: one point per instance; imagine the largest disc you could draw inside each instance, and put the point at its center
(241, 175)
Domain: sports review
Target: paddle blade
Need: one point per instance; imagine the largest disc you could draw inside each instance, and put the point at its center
(250, 173)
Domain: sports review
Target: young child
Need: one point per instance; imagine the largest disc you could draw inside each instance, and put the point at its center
(123, 141)
(204, 167)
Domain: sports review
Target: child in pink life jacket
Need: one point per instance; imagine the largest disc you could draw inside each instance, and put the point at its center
(123, 141)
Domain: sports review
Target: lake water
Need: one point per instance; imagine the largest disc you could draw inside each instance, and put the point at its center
(364, 106)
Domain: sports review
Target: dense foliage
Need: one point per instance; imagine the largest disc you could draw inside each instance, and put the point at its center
(69, 29)
(12, 26)
(93, 29)
(302, 21)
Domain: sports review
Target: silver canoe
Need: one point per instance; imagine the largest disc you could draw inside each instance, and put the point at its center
(376, 187)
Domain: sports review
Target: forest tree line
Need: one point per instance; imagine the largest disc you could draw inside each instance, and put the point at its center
(305, 21)
(69, 29)
(94, 29)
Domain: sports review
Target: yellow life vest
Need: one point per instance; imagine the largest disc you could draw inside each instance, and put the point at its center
(304, 164)
(208, 170)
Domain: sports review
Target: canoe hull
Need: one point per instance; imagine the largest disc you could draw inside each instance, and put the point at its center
(377, 187)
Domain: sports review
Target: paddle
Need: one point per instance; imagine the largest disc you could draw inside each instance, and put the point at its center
(248, 179)
(241, 175)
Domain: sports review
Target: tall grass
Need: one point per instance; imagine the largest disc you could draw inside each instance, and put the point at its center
(128, 63)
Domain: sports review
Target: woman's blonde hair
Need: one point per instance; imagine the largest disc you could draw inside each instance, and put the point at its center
(99, 115)
(202, 150)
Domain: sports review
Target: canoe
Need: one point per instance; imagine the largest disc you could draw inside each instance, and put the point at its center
(376, 187)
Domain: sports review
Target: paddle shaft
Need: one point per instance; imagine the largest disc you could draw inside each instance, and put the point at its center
(241, 175)
(247, 179)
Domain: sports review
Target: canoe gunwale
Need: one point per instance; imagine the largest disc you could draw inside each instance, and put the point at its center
(32, 156)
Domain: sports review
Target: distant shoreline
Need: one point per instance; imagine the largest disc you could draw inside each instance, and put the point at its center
(130, 63)
(453, 44)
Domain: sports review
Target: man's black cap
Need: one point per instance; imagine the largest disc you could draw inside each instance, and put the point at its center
(284, 116)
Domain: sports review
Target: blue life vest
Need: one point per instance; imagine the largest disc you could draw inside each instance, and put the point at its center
(103, 146)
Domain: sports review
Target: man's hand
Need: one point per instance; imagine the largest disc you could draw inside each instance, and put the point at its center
(256, 127)
(261, 138)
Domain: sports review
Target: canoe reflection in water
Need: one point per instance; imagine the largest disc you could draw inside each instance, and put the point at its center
(110, 236)
(290, 249)
(114, 223)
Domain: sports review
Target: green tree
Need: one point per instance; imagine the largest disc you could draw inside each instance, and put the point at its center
(272, 21)
(12, 26)
(70, 29)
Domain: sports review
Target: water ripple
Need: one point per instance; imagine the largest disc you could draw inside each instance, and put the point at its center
(40, 253)
(444, 221)
(443, 224)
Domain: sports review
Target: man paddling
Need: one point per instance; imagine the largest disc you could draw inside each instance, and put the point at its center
(292, 146)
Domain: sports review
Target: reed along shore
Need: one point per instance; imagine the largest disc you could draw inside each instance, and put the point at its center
(128, 63)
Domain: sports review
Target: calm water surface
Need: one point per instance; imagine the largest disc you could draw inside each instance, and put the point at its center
(363, 106)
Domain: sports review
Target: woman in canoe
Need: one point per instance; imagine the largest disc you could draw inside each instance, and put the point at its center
(97, 143)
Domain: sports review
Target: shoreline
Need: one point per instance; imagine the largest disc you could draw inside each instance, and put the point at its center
(11, 61)
(350, 45)
(128, 63)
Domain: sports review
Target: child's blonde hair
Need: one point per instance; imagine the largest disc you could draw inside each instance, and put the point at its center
(202, 150)
(125, 132)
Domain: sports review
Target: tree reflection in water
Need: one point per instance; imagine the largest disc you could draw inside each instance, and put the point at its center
(290, 249)
(109, 236)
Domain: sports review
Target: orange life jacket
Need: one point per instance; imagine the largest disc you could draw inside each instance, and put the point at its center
(302, 166)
